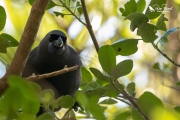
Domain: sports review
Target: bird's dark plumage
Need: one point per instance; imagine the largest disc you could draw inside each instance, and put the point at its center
(53, 54)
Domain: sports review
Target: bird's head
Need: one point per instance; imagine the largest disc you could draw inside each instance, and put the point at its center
(57, 42)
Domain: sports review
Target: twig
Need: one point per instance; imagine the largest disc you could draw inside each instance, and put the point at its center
(124, 101)
(89, 27)
(165, 55)
(131, 100)
(26, 42)
(51, 74)
(72, 13)
(67, 113)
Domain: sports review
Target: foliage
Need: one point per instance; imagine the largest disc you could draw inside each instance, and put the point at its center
(100, 87)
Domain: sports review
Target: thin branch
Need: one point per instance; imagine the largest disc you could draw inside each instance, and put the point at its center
(165, 55)
(89, 27)
(124, 101)
(67, 113)
(51, 74)
(72, 13)
(26, 41)
(131, 100)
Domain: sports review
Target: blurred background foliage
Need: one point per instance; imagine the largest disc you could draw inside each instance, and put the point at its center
(109, 26)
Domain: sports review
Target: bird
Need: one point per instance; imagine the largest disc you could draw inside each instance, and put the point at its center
(52, 54)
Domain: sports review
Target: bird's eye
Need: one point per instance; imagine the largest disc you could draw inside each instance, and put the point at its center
(64, 38)
(53, 37)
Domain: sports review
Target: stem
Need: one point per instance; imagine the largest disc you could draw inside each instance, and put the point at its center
(55, 73)
(165, 55)
(26, 41)
(67, 113)
(131, 100)
(89, 27)
(72, 13)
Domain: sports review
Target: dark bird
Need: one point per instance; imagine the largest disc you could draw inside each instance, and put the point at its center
(52, 54)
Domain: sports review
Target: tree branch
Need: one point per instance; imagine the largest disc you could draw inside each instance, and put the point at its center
(26, 41)
(170, 60)
(89, 27)
(51, 74)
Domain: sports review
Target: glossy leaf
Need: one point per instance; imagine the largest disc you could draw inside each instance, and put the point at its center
(130, 7)
(155, 8)
(108, 101)
(107, 58)
(121, 69)
(19, 97)
(147, 32)
(47, 97)
(86, 75)
(149, 102)
(122, 115)
(2, 18)
(4, 44)
(125, 47)
(101, 78)
(137, 19)
(136, 115)
(141, 4)
(110, 91)
(12, 41)
(66, 101)
(161, 23)
(45, 116)
(131, 88)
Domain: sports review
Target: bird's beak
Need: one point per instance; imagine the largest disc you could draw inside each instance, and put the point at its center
(58, 43)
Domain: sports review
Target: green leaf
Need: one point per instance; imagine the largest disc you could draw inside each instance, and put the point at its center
(121, 69)
(122, 115)
(149, 102)
(45, 116)
(157, 66)
(161, 23)
(90, 86)
(86, 75)
(47, 96)
(107, 58)
(108, 101)
(155, 8)
(178, 83)
(147, 32)
(103, 79)
(125, 47)
(19, 96)
(136, 115)
(137, 19)
(141, 4)
(110, 91)
(131, 88)
(12, 42)
(66, 101)
(79, 7)
(2, 18)
(130, 7)
(177, 109)
(58, 13)
(82, 98)
(51, 4)
(3, 45)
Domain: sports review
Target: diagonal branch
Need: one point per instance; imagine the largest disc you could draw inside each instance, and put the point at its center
(51, 74)
(26, 41)
(89, 26)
